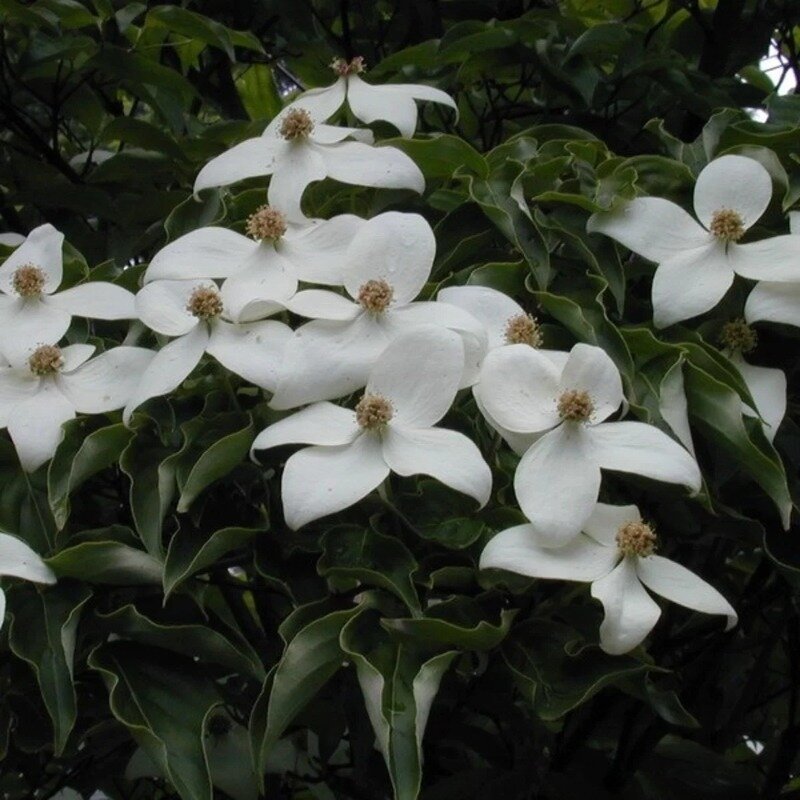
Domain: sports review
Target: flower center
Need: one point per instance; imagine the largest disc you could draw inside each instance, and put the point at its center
(727, 225)
(204, 303)
(343, 67)
(46, 359)
(575, 405)
(297, 124)
(267, 224)
(373, 412)
(375, 296)
(738, 336)
(523, 329)
(28, 281)
(636, 539)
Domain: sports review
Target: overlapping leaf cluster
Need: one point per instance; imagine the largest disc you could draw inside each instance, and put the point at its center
(193, 643)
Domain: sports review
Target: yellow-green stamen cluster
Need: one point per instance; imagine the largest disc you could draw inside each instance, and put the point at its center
(46, 359)
(28, 280)
(266, 224)
(297, 124)
(575, 405)
(375, 296)
(636, 538)
(204, 303)
(373, 412)
(727, 225)
(523, 329)
(738, 337)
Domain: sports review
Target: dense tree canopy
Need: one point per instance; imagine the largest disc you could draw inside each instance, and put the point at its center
(198, 608)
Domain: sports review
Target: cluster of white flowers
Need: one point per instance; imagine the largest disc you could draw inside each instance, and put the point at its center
(214, 291)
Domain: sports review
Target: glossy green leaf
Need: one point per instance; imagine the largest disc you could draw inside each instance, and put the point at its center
(107, 562)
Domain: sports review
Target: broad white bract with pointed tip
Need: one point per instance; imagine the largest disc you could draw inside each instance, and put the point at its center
(411, 387)
(617, 579)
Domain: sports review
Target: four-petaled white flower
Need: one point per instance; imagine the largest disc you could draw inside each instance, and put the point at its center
(55, 384)
(615, 553)
(558, 478)
(393, 103)
(773, 301)
(697, 262)
(297, 150)
(32, 311)
(193, 311)
(409, 390)
(263, 268)
(388, 264)
(17, 560)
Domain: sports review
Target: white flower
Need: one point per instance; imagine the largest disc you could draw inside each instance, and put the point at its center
(388, 264)
(409, 390)
(771, 301)
(17, 560)
(697, 263)
(558, 478)
(193, 312)
(505, 322)
(393, 103)
(615, 554)
(11, 239)
(262, 271)
(55, 384)
(296, 150)
(767, 386)
(33, 312)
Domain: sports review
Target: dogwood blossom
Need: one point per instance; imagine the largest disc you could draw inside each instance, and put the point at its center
(697, 262)
(275, 253)
(32, 311)
(54, 384)
(17, 560)
(393, 103)
(388, 264)
(193, 312)
(767, 386)
(296, 150)
(615, 553)
(409, 389)
(558, 479)
(771, 301)
(505, 322)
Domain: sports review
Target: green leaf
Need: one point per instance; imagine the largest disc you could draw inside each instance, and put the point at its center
(189, 553)
(443, 155)
(198, 641)
(399, 685)
(259, 93)
(311, 657)
(151, 471)
(371, 558)
(214, 463)
(194, 213)
(458, 622)
(42, 632)
(718, 410)
(106, 562)
(164, 700)
(80, 455)
(554, 678)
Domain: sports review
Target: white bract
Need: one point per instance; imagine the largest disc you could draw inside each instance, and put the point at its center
(505, 322)
(614, 553)
(409, 390)
(296, 150)
(393, 103)
(558, 478)
(777, 302)
(33, 312)
(261, 271)
(388, 264)
(697, 262)
(55, 384)
(17, 560)
(767, 386)
(193, 312)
